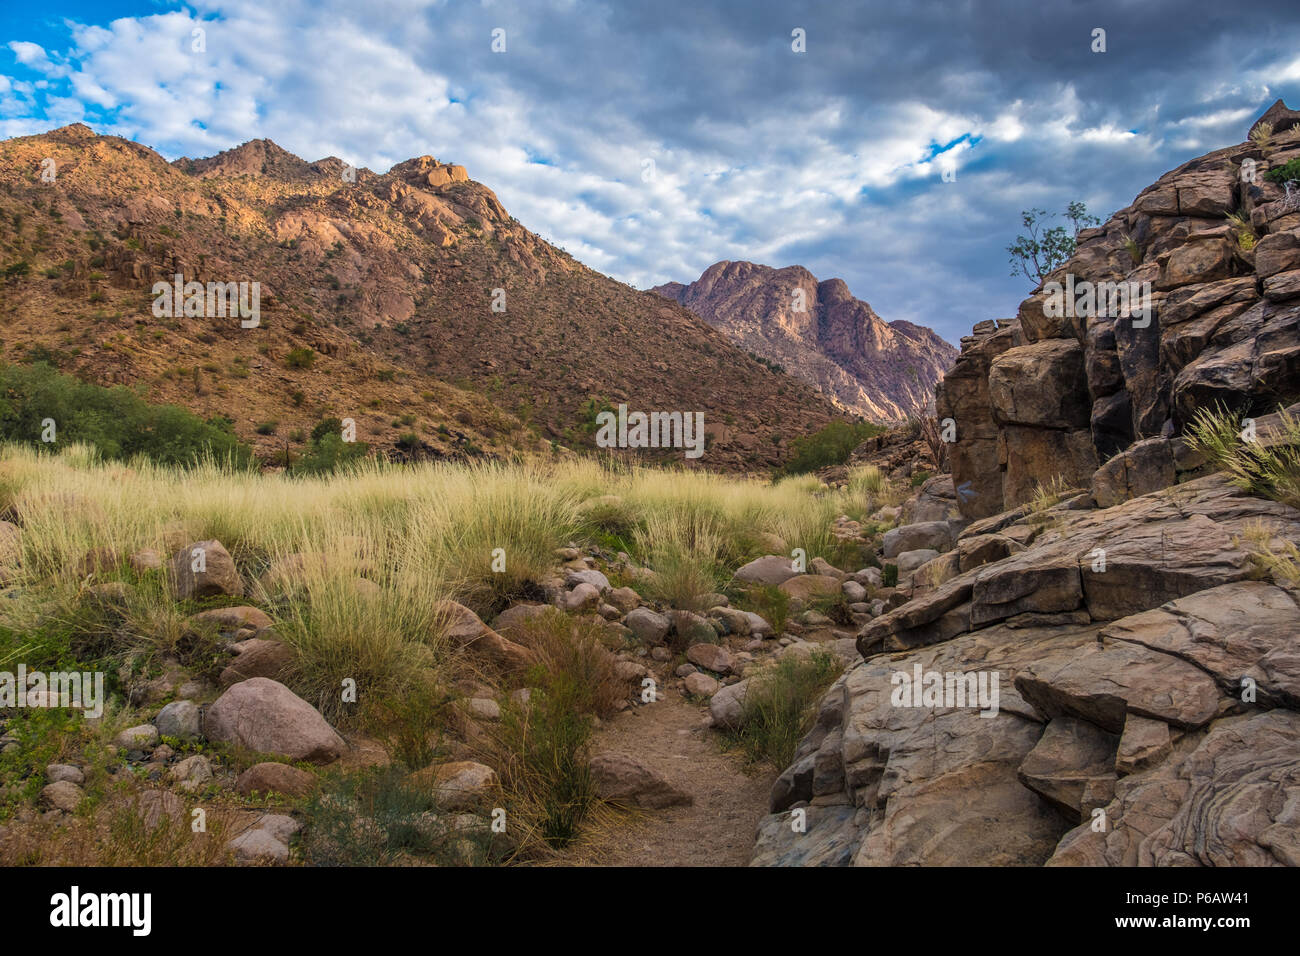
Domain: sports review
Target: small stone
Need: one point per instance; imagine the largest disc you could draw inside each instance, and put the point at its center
(483, 708)
(701, 685)
(711, 657)
(275, 778)
(258, 846)
(59, 772)
(140, 737)
(63, 796)
(178, 719)
(192, 772)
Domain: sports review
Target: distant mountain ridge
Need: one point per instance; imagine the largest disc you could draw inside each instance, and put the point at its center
(820, 333)
(409, 301)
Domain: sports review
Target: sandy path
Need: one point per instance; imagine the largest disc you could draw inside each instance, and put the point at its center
(672, 736)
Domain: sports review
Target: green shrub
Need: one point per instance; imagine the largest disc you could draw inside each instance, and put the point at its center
(328, 452)
(830, 445)
(377, 817)
(1288, 171)
(116, 420)
(779, 706)
(545, 743)
(889, 575)
(300, 357)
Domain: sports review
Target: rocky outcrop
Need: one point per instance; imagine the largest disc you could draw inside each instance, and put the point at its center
(1146, 709)
(821, 334)
(1097, 395)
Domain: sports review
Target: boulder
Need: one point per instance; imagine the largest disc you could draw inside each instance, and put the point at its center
(140, 737)
(932, 535)
(63, 795)
(1231, 801)
(275, 778)
(264, 716)
(258, 846)
(589, 576)
(711, 657)
(465, 629)
(726, 708)
(771, 569)
(583, 595)
(625, 599)
(1072, 766)
(178, 719)
(648, 626)
(232, 618)
(621, 778)
(701, 685)
(809, 587)
(458, 785)
(204, 569)
(191, 773)
(58, 772)
(258, 657)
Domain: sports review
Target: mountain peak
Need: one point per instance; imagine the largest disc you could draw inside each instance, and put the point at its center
(820, 333)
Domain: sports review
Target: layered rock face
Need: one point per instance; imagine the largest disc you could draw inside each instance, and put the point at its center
(1048, 395)
(1148, 708)
(1142, 642)
(821, 334)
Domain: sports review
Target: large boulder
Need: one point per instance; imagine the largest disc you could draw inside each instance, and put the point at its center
(623, 779)
(934, 535)
(1133, 661)
(263, 715)
(258, 657)
(648, 626)
(771, 569)
(204, 569)
(465, 629)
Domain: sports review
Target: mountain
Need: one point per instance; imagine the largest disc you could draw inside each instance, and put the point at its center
(821, 334)
(410, 301)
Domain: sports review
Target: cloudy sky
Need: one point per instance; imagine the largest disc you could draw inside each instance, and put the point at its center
(653, 139)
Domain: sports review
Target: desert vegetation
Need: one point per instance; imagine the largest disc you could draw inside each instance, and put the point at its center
(364, 574)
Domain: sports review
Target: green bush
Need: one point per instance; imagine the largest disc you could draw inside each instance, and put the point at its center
(117, 421)
(301, 357)
(778, 707)
(378, 817)
(1288, 171)
(889, 576)
(328, 451)
(830, 445)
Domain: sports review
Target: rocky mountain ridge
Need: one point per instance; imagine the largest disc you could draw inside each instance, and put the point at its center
(821, 334)
(423, 307)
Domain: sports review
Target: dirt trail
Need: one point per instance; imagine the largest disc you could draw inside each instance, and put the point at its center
(672, 736)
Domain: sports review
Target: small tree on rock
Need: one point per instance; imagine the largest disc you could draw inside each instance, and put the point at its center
(1042, 250)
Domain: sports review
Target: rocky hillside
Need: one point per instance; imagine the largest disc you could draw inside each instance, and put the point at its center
(817, 331)
(1140, 626)
(1104, 402)
(410, 301)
